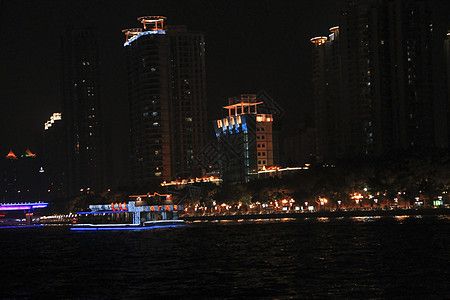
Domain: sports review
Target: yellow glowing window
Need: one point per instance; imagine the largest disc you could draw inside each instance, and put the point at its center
(219, 123)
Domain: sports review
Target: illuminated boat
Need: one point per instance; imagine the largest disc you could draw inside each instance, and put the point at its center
(137, 214)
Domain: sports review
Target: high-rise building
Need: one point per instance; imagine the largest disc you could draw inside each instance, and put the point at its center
(167, 100)
(244, 138)
(81, 111)
(447, 69)
(372, 80)
(54, 150)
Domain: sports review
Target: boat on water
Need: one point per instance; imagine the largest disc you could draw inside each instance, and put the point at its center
(145, 226)
(142, 212)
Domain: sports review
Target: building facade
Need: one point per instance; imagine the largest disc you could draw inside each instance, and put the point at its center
(22, 178)
(81, 112)
(447, 69)
(244, 140)
(55, 157)
(167, 100)
(372, 80)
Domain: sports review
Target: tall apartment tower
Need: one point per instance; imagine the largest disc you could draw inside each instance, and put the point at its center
(55, 158)
(167, 100)
(372, 80)
(447, 69)
(81, 112)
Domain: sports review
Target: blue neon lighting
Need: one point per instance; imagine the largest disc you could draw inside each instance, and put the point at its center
(20, 226)
(22, 206)
(123, 228)
(141, 34)
(102, 212)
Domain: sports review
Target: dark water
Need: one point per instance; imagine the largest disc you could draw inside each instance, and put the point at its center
(318, 258)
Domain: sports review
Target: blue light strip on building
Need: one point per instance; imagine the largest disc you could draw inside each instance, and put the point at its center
(101, 212)
(22, 206)
(130, 40)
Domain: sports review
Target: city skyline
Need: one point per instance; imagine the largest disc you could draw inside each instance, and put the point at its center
(249, 47)
(246, 51)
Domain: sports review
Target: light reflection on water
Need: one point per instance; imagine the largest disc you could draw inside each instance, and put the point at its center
(263, 258)
(400, 219)
(365, 218)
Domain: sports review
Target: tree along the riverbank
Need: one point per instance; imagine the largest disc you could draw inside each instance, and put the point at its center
(398, 180)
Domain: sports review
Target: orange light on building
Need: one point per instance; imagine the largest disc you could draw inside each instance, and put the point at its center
(318, 41)
(152, 23)
(11, 155)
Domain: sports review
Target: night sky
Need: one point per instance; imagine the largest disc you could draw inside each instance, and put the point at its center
(251, 46)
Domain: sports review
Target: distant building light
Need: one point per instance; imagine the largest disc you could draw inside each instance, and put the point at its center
(53, 118)
(320, 40)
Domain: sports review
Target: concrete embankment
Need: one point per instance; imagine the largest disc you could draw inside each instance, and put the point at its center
(322, 214)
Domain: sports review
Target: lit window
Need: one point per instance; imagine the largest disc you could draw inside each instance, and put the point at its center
(156, 124)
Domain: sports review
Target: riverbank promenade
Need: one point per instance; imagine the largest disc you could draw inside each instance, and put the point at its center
(445, 211)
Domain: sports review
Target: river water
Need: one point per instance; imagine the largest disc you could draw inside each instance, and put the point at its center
(385, 257)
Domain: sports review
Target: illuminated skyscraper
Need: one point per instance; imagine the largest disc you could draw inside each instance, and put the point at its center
(167, 100)
(245, 140)
(372, 80)
(81, 112)
(54, 167)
